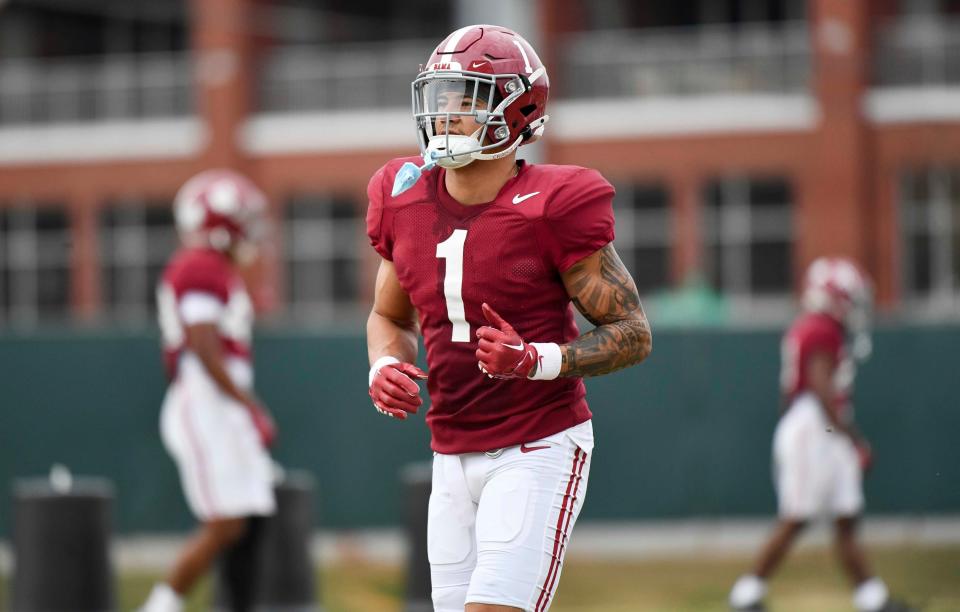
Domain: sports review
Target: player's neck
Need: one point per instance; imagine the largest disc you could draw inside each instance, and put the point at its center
(480, 181)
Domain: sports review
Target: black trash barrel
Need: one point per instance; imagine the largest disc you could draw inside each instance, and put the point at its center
(285, 568)
(61, 546)
(416, 479)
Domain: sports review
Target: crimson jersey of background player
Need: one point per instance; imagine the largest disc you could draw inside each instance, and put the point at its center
(203, 271)
(811, 333)
(510, 253)
(480, 253)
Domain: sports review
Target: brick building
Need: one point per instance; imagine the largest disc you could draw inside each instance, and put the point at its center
(745, 137)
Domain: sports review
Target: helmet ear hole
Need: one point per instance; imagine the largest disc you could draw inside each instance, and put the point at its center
(528, 110)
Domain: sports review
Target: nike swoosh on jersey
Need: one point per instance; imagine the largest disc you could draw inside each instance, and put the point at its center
(519, 347)
(526, 449)
(520, 198)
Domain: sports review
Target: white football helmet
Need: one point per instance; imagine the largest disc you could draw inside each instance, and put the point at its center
(221, 209)
(836, 286)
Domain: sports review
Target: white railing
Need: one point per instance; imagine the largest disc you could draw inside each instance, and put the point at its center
(918, 52)
(355, 76)
(751, 58)
(614, 63)
(87, 89)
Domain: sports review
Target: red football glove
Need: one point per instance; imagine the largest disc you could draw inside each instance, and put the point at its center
(393, 390)
(263, 422)
(501, 352)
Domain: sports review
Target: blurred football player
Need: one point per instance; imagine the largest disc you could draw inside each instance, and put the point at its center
(484, 254)
(819, 455)
(211, 423)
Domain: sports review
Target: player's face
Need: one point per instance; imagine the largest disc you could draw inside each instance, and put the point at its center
(463, 125)
(460, 99)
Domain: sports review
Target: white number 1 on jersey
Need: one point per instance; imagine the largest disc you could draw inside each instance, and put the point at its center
(451, 249)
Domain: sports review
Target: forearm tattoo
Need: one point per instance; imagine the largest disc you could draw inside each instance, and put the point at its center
(603, 291)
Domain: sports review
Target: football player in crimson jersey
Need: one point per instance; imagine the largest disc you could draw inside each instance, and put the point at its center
(819, 456)
(211, 423)
(483, 254)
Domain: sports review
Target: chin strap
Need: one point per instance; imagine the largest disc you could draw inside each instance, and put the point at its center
(536, 130)
(498, 154)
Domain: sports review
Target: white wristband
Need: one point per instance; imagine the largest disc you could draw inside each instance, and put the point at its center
(379, 363)
(550, 360)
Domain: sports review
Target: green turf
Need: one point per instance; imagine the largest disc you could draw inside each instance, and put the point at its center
(808, 582)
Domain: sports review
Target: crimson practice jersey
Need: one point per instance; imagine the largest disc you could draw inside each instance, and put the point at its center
(201, 285)
(451, 258)
(809, 334)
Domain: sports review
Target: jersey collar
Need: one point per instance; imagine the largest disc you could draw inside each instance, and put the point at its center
(463, 211)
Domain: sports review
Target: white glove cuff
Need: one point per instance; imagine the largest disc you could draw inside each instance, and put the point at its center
(550, 360)
(379, 363)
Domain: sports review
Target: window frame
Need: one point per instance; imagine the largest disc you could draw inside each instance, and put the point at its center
(941, 228)
(26, 255)
(735, 235)
(322, 238)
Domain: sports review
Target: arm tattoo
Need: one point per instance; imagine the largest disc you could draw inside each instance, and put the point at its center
(603, 291)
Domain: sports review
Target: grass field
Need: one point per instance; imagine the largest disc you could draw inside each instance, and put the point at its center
(809, 582)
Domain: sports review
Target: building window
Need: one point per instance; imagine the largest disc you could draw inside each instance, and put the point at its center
(644, 233)
(137, 239)
(322, 240)
(930, 222)
(748, 231)
(34, 265)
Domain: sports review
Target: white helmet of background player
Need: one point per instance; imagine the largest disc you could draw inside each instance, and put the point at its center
(221, 209)
(506, 83)
(836, 286)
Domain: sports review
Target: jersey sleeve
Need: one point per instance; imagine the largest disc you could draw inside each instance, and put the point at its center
(579, 218)
(820, 339)
(377, 224)
(200, 307)
(202, 288)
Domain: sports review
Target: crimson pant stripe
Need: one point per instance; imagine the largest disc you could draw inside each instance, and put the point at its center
(560, 523)
(566, 528)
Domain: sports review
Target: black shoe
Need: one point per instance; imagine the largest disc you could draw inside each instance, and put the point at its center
(759, 607)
